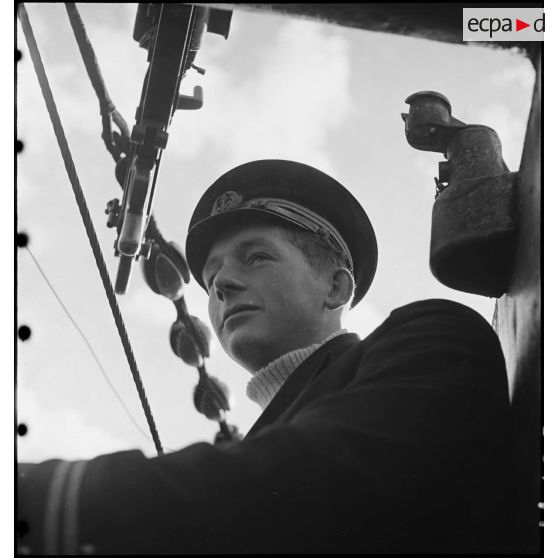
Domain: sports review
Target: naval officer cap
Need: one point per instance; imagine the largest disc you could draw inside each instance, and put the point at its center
(281, 192)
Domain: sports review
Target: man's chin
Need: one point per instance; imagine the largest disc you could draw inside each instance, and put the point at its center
(248, 349)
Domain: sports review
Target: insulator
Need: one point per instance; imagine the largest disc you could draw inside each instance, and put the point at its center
(183, 346)
(190, 349)
(165, 271)
(148, 267)
(211, 397)
(202, 334)
(176, 254)
(168, 278)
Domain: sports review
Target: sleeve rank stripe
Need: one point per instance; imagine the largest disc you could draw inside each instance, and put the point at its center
(71, 508)
(53, 507)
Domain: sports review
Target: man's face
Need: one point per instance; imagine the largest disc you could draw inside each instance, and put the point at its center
(264, 297)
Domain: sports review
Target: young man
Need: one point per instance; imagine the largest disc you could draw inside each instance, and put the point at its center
(392, 444)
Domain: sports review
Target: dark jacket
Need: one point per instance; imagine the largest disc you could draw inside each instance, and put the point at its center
(396, 443)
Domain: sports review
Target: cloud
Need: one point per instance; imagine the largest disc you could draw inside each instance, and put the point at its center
(283, 107)
(144, 306)
(510, 117)
(519, 75)
(61, 433)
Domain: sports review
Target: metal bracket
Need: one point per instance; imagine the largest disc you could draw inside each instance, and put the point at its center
(473, 218)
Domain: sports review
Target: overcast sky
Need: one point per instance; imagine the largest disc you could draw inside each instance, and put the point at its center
(277, 88)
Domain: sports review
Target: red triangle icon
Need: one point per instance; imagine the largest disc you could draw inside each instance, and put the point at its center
(519, 25)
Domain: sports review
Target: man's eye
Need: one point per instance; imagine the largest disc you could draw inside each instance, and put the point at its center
(210, 282)
(257, 257)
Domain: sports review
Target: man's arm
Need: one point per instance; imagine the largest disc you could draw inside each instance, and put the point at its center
(416, 436)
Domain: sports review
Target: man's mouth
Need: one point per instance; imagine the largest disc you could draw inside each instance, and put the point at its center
(238, 309)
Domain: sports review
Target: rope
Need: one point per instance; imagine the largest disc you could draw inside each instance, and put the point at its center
(90, 229)
(113, 142)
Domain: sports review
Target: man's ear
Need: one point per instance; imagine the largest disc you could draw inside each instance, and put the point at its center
(341, 288)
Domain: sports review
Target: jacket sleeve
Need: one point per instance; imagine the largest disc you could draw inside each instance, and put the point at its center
(415, 435)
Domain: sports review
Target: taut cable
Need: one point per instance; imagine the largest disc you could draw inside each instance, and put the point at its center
(88, 223)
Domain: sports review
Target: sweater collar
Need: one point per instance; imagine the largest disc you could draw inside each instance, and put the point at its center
(267, 381)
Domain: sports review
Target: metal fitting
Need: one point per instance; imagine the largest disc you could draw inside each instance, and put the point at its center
(473, 219)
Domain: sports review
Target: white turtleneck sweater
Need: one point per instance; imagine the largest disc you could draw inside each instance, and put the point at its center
(267, 381)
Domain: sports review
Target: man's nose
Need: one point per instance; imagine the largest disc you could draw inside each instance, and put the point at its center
(227, 281)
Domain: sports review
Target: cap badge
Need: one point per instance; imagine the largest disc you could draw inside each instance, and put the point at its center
(225, 202)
